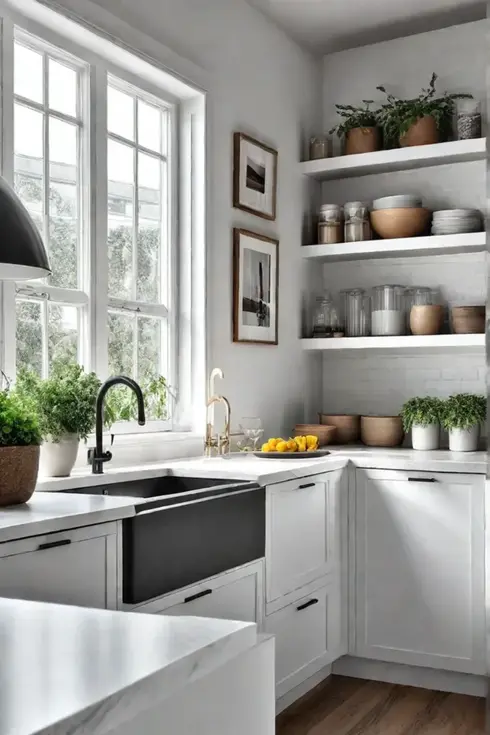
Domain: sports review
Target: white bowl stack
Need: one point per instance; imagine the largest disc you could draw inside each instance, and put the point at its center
(456, 221)
(398, 201)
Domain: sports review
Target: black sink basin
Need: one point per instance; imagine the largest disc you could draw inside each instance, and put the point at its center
(152, 487)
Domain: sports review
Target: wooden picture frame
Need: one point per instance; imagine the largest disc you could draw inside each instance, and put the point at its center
(254, 177)
(255, 288)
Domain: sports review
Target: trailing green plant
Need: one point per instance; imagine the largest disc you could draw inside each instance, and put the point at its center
(397, 115)
(121, 403)
(464, 410)
(421, 412)
(64, 402)
(354, 117)
(19, 425)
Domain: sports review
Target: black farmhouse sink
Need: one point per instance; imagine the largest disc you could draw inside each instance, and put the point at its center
(153, 487)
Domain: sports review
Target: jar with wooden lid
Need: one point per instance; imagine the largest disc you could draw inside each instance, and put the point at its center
(330, 224)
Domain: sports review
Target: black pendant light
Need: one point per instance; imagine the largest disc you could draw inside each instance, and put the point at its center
(22, 252)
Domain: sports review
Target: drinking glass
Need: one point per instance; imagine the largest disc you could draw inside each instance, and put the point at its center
(252, 429)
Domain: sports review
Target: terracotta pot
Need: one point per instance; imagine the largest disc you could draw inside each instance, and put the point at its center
(426, 319)
(422, 132)
(362, 140)
(381, 431)
(18, 474)
(468, 319)
(348, 426)
(325, 434)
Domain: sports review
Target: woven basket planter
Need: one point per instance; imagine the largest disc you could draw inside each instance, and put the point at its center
(18, 474)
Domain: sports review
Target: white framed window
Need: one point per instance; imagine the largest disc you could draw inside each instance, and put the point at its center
(93, 156)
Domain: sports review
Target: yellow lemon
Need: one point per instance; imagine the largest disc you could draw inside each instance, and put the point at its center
(292, 446)
(312, 442)
(266, 447)
(273, 444)
(282, 446)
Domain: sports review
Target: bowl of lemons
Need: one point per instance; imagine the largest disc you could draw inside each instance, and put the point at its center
(293, 448)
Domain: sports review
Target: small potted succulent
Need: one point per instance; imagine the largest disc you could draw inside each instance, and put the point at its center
(20, 437)
(422, 120)
(65, 405)
(463, 415)
(423, 417)
(358, 127)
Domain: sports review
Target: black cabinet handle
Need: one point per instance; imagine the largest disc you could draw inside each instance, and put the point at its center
(308, 484)
(422, 479)
(198, 595)
(307, 604)
(54, 544)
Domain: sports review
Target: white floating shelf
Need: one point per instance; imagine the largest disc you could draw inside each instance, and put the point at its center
(420, 345)
(471, 242)
(397, 159)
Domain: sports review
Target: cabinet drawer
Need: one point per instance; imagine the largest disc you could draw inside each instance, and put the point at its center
(308, 636)
(236, 595)
(76, 567)
(300, 532)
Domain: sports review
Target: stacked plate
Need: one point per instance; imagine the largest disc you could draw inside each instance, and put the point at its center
(455, 221)
(398, 201)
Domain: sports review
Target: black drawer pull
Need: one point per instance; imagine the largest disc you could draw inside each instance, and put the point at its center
(308, 484)
(54, 544)
(422, 479)
(307, 604)
(198, 595)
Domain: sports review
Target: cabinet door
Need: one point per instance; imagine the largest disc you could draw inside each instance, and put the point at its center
(76, 567)
(302, 532)
(308, 635)
(420, 569)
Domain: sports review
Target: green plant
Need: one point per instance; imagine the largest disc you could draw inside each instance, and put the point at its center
(121, 404)
(421, 412)
(396, 116)
(354, 117)
(64, 402)
(19, 426)
(464, 410)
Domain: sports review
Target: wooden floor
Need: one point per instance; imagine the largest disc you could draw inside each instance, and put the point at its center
(344, 706)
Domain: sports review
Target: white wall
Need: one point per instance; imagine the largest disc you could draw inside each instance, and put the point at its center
(380, 383)
(259, 82)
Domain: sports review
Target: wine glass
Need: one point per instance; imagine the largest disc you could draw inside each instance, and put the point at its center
(252, 429)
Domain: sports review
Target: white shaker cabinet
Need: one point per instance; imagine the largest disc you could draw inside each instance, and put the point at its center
(302, 532)
(419, 540)
(75, 567)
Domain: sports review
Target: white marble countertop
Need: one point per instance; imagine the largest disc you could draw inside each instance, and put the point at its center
(70, 669)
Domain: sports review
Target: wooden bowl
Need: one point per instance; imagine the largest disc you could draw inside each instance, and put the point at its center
(468, 319)
(426, 319)
(381, 431)
(394, 223)
(325, 434)
(348, 426)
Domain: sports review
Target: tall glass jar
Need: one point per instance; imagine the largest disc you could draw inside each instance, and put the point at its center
(322, 316)
(356, 311)
(330, 224)
(468, 119)
(388, 311)
(356, 222)
(320, 147)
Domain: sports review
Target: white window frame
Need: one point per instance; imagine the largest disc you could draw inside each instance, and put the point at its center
(94, 297)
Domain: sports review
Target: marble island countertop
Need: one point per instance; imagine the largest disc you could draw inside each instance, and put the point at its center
(70, 669)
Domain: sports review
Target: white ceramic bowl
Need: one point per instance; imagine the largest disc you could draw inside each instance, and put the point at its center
(398, 201)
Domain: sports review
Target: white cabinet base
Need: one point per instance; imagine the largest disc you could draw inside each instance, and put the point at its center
(414, 676)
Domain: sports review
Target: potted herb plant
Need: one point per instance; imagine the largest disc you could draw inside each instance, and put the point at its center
(358, 127)
(20, 437)
(422, 120)
(462, 415)
(423, 417)
(65, 405)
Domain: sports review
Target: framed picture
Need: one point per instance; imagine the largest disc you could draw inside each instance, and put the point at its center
(255, 288)
(254, 177)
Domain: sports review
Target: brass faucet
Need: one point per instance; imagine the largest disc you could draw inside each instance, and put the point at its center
(216, 443)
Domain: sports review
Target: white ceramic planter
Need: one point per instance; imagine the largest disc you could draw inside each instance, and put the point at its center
(58, 458)
(464, 440)
(426, 438)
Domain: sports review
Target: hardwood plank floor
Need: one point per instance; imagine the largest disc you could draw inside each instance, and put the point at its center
(344, 706)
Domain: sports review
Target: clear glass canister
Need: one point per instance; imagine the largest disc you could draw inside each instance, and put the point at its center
(388, 315)
(356, 222)
(320, 147)
(322, 316)
(330, 224)
(356, 311)
(468, 119)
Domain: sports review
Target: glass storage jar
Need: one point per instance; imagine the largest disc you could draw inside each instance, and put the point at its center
(356, 222)
(388, 311)
(330, 224)
(356, 312)
(468, 119)
(320, 147)
(419, 296)
(322, 316)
